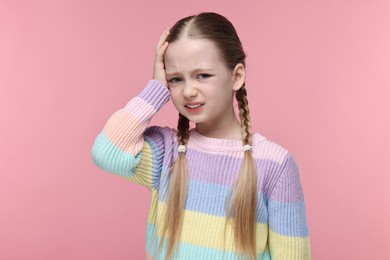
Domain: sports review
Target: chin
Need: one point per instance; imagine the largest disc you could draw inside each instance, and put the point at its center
(194, 119)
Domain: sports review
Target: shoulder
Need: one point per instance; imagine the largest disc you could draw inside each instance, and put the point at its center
(275, 162)
(163, 130)
(160, 135)
(267, 149)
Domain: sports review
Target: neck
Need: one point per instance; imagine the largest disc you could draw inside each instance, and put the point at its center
(221, 129)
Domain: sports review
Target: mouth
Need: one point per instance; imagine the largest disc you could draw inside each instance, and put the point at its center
(193, 106)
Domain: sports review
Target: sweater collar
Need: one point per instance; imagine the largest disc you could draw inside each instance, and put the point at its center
(215, 144)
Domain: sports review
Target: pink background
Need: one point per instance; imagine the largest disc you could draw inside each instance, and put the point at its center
(318, 83)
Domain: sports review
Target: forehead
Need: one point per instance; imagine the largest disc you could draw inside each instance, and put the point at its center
(189, 54)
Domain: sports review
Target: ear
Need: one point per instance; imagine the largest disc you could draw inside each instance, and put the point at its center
(238, 76)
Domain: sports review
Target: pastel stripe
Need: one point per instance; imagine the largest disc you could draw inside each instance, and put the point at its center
(284, 247)
(262, 147)
(199, 168)
(140, 169)
(288, 218)
(278, 211)
(150, 163)
(289, 188)
(139, 109)
(199, 227)
(126, 143)
(155, 93)
(144, 173)
(193, 252)
(110, 158)
(214, 205)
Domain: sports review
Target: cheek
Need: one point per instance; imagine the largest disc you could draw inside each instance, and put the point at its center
(175, 97)
(222, 96)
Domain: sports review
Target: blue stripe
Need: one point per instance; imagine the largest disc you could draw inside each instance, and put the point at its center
(288, 218)
(210, 199)
(110, 158)
(157, 159)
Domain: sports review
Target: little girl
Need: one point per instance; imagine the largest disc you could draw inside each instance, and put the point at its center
(218, 190)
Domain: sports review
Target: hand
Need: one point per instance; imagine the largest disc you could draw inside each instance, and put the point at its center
(159, 70)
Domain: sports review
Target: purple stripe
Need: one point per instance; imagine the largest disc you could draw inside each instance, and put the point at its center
(288, 187)
(223, 170)
(155, 93)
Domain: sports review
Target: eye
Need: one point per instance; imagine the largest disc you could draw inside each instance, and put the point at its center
(204, 75)
(174, 80)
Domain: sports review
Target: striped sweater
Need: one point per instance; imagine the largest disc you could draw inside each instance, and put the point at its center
(143, 154)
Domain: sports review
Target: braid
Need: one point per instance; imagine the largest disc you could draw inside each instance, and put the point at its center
(177, 193)
(243, 204)
(244, 115)
(183, 129)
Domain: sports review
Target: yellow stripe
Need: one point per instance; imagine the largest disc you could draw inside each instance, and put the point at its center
(285, 247)
(206, 230)
(143, 171)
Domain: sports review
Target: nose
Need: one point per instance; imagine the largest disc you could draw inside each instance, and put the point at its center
(190, 91)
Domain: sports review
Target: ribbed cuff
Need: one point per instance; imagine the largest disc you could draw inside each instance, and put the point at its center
(155, 93)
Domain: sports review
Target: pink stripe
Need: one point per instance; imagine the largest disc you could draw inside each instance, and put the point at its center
(139, 109)
(121, 122)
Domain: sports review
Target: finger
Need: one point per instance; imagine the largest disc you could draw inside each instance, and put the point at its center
(160, 54)
(162, 39)
(163, 48)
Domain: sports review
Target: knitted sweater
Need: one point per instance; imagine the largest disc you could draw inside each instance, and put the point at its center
(143, 154)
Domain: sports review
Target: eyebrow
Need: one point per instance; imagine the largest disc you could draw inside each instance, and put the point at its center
(169, 74)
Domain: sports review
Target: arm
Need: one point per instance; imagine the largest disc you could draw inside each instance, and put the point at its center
(288, 230)
(127, 147)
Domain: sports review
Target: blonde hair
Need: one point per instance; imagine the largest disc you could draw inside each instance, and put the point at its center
(241, 214)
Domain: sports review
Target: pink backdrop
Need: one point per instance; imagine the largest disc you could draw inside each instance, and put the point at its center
(318, 83)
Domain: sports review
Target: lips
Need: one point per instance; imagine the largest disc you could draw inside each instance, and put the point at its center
(194, 105)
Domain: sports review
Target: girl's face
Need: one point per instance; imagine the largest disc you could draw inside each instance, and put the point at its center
(201, 85)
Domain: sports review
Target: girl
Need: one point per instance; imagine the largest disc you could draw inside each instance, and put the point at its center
(219, 191)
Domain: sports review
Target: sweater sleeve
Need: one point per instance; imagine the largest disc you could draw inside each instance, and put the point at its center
(127, 147)
(288, 229)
